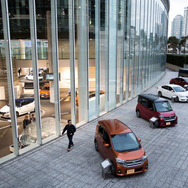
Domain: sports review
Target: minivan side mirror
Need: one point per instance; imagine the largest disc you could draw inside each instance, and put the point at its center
(139, 140)
(106, 145)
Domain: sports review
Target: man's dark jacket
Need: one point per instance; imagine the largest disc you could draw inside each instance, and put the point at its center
(70, 129)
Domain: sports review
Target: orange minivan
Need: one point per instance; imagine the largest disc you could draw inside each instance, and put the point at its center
(117, 142)
(45, 92)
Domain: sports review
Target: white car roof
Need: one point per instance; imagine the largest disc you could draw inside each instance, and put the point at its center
(171, 85)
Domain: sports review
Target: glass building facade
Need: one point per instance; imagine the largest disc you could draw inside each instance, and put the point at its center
(92, 56)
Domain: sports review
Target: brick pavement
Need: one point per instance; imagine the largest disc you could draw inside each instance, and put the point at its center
(52, 166)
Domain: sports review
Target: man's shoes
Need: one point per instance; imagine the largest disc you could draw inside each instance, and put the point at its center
(68, 149)
(72, 145)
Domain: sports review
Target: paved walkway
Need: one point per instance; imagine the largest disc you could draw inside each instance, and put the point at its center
(52, 166)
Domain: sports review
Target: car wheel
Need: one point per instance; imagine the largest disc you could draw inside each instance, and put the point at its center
(176, 99)
(17, 114)
(159, 94)
(156, 124)
(96, 146)
(138, 114)
(113, 169)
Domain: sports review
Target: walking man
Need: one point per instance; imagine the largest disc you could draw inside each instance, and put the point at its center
(70, 128)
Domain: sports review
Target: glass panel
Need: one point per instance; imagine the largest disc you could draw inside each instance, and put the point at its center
(120, 51)
(137, 49)
(43, 20)
(6, 139)
(132, 48)
(25, 104)
(92, 70)
(103, 48)
(113, 20)
(127, 50)
(82, 59)
(64, 60)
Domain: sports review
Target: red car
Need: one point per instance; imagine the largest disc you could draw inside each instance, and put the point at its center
(150, 106)
(179, 81)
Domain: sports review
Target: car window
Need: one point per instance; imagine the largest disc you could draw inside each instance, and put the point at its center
(106, 137)
(92, 95)
(149, 104)
(165, 87)
(144, 102)
(17, 103)
(125, 142)
(170, 89)
(24, 103)
(101, 130)
(45, 88)
(163, 106)
(179, 89)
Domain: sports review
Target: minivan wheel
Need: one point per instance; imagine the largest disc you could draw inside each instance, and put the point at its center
(159, 94)
(138, 114)
(113, 169)
(157, 124)
(96, 146)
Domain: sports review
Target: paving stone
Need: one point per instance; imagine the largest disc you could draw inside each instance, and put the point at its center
(52, 166)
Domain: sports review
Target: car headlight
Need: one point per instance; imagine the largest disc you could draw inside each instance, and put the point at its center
(161, 116)
(144, 157)
(120, 161)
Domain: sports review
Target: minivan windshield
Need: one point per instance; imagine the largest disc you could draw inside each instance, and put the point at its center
(125, 142)
(163, 106)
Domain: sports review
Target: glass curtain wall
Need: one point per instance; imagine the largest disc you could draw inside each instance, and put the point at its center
(74, 60)
(6, 130)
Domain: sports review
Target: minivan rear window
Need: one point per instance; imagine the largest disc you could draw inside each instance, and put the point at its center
(125, 142)
(163, 106)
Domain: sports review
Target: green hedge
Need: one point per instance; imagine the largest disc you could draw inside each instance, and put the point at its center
(176, 59)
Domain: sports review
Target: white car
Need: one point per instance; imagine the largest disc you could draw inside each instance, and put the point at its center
(23, 106)
(30, 76)
(173, 91)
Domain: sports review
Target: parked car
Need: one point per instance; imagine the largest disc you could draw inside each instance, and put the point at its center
(117, 142)
(45, 92)
(91, 95)
(173, 91)
(30, 76)
(149, 106)
(183, 72)
(23, 106)
(180, 81)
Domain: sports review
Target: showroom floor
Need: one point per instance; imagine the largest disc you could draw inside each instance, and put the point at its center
(52, 166)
